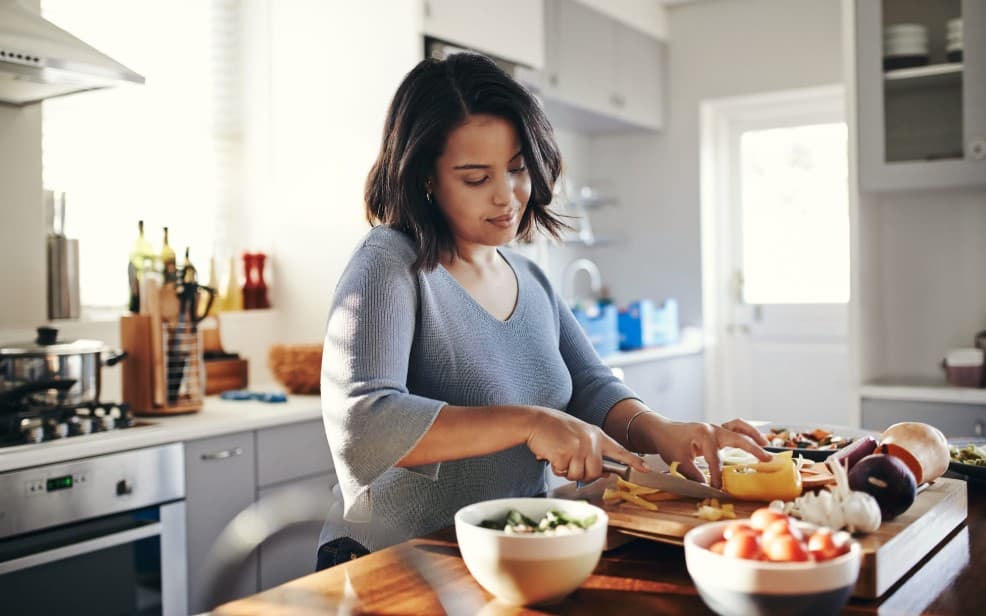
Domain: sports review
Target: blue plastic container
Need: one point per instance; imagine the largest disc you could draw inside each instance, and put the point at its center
(643, 324)
(601, 326)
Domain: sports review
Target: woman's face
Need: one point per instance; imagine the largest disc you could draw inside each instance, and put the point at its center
(481, 182)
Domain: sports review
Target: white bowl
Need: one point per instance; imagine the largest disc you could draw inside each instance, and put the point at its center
(738, 586)
(531, 568)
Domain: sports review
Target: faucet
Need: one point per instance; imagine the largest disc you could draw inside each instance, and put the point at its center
(572, 270)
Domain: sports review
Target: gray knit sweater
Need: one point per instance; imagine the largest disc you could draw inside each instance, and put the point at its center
(399, 346)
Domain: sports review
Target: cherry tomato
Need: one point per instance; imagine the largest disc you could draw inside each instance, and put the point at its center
(743, 545)
(762, 517)
(777, 528)
(823, 547)
(785, 548)
(781, 527)
(718, 547)
(738, 527)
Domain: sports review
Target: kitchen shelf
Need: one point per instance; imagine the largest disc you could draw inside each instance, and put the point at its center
(921, 389)
(920, 77)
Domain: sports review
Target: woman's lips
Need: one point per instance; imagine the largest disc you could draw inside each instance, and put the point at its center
(505, 221)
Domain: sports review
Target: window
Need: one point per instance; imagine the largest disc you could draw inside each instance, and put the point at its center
(795, 214)
(166, 152)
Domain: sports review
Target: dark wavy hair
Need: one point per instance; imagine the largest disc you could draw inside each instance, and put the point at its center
(434, 98)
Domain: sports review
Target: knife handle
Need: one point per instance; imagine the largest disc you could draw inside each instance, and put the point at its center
(609, 466)
(617, 468)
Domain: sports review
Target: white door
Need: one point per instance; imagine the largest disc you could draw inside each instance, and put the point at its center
(776, 257)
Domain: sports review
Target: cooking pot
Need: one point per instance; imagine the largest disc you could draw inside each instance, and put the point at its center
(42, 366)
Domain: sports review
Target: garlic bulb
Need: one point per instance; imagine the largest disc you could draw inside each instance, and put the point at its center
(861, 510)
(837, 509)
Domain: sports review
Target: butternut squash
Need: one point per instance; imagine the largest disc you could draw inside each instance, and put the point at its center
(923, 448)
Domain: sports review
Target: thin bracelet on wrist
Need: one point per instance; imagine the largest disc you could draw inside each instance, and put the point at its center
(629, 422)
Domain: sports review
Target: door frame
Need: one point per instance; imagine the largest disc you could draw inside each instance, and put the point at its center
(721, 121)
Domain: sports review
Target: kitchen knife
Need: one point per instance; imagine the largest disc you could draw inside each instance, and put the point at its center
(662, 480)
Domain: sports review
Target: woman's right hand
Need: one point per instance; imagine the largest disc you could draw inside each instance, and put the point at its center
(574, 448)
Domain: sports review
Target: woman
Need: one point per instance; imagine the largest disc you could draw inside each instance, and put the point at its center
(452, 371)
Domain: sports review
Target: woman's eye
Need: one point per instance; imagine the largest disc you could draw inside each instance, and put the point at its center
(478, 182)
(518, 170)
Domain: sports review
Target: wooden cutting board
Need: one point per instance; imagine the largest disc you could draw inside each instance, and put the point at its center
(888, 554)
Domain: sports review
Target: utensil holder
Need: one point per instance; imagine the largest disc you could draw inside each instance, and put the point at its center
(174, 368)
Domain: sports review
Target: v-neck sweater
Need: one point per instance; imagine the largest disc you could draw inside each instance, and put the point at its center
(399, 346)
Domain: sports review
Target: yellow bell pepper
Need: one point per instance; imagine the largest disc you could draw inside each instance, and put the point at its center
(777, 479)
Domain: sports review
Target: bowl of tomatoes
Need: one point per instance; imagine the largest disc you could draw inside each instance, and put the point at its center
(771, 564)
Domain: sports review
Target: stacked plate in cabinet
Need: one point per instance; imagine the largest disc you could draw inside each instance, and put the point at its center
(953, 40)
(905, 46)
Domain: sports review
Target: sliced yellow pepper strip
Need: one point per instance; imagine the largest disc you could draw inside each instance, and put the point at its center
(777, 479)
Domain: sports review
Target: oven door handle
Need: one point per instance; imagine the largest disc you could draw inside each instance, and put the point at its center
(82, 547)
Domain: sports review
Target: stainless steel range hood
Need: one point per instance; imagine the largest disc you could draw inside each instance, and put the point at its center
(39, 60)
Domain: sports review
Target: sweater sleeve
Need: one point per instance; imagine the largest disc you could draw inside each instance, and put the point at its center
(595, 389)
(371, 420)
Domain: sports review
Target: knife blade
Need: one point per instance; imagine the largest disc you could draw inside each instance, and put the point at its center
(662, 480)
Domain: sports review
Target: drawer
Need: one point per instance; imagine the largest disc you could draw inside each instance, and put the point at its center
(291, 452)
(952, 419)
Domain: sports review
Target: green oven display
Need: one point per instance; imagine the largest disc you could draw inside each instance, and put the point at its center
(60, 483)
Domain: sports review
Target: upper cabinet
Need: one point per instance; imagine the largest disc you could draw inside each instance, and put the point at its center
(509, 29)
(921, 93)
(600, 74)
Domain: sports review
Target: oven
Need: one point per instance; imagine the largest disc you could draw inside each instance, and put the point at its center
(102, 535)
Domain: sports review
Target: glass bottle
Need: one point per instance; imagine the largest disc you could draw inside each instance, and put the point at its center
(232, 294)
(169, 261)
(141, 260)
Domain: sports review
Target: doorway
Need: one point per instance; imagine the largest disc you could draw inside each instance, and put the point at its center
(775, 257)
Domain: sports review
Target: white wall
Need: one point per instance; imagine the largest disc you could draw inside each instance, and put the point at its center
(717, 49)
(334, 68)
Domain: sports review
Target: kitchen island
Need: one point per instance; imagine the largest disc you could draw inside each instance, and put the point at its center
(427, 576)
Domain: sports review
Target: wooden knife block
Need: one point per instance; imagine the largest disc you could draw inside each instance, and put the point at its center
(164, 377)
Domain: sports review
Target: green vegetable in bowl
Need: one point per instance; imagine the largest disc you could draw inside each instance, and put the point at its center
(553, 523)
(974, 455)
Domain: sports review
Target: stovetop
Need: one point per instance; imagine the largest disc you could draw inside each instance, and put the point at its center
(28, 422)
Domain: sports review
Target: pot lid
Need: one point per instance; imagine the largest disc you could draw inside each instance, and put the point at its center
(47, 343)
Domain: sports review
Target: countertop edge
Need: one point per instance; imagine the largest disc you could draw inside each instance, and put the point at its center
(689, 344)
(218, 417)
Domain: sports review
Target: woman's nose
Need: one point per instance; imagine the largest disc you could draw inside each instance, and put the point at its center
(504, 190)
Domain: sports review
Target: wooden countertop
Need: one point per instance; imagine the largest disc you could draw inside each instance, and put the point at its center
(427, 576)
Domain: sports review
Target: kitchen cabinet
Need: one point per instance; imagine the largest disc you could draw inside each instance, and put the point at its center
(600, 75)
(220, 482)
(921, 127)
(952, 419)
(292, 452)
(672, 387)
(290, 554)
(295, 456)
(225, 475)
(509, 29)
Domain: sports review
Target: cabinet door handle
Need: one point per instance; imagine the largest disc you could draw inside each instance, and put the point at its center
(977, 148)
(223, 454)
(977, 429)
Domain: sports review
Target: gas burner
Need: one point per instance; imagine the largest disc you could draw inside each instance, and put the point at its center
(28, 423)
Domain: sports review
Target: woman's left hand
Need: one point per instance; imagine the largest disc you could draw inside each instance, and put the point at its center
(683, 441)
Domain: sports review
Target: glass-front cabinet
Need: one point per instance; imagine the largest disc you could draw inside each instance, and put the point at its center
(921, 93)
